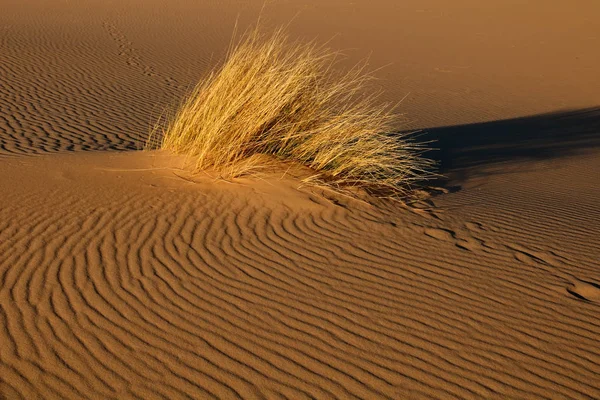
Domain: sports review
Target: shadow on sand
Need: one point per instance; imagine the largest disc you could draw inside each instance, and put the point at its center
(544, 136)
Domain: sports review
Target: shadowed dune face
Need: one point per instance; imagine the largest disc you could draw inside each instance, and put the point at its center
(473, 148)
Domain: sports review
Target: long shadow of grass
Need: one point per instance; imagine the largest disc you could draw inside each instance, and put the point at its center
(546, 136)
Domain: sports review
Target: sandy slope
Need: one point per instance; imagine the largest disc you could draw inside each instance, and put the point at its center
(121, 279)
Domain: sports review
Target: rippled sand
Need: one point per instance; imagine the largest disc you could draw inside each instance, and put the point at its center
(122, 278)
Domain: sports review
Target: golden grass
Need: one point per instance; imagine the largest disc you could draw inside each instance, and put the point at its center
(284, 99)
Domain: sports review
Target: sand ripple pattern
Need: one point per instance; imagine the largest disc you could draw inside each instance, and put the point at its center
(216, 297)
(69, 83)
(129, 292)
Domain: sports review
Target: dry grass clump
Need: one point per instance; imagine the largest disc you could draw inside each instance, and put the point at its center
(283, 99)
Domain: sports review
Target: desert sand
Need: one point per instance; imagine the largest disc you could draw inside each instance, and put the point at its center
(121, 277)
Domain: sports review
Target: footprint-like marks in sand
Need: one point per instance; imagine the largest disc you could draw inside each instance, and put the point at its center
(547, 261)
(132, 55)
(532, 257)
(464, 239)
(445, 235)
(553, 264)
(583, 290)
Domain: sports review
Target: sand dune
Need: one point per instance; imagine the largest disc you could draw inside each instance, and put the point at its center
(140, 284)
(122, 278)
